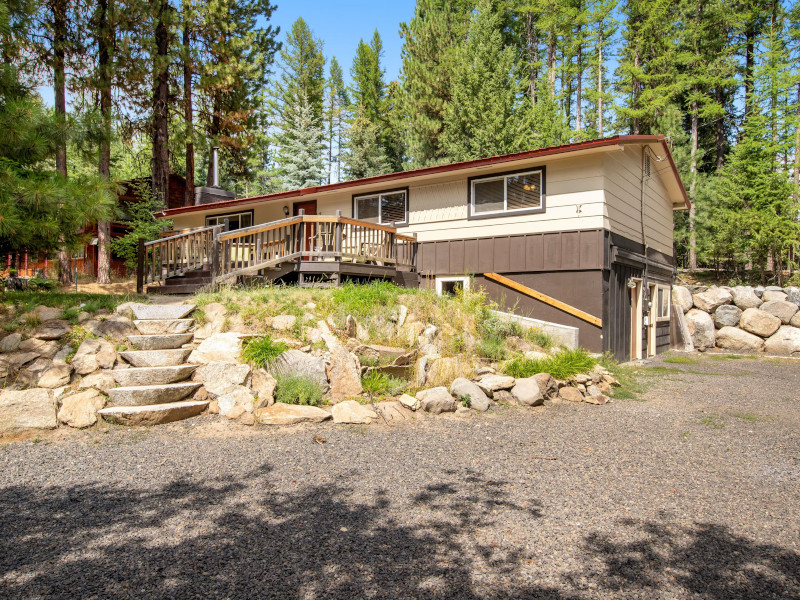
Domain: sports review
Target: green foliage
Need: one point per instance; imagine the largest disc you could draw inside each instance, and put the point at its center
(562, 365)
(376, 383)
(364, 154)
(465, 400)
(491, 348)
(42, 284)
(297, 389)
(361, 300)
(541, 338)
(301, 159)
(139, 217)
(681, 360)
(91, 303)
(77, 335)
(262, 350)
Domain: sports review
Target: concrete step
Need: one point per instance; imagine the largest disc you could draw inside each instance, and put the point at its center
(161, 311)
(152, 375)
(167, 341)
(162, 326)
(156, 414)
(144, 395)
(156, 358)
(198, 277)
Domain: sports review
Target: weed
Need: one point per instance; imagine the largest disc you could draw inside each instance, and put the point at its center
(491, 348)
(751, 417)
(297, 389)
(630, 384)
(199, 316)
(77, 335)
(376, 383)
(562, 366)
(681, 360)
(713, 420)
(686, 435)
(465, 400)
(91, 303)
(727, 356)
(36, 440)
(663, 370)
(31, 321)
(540, 338)
(362, 300)
(262, 350)
(68, 358)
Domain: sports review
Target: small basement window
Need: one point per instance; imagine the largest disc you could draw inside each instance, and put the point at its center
(449, 286)
(662, 302)
(512, 193)
(384, 208)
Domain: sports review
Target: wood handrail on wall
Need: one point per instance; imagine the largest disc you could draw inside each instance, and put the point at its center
(523, 289)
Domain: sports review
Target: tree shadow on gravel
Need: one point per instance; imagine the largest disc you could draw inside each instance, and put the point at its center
(700, 560)
(242, 538)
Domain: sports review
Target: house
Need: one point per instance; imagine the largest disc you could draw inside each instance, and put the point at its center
(580, 235)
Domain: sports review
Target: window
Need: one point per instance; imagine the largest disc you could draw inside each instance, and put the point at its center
(235, 220)
(513, 193)
(449, 286)
(384, 207)
(662, 302)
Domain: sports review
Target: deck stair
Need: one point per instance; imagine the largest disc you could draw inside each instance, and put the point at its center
(155, 389)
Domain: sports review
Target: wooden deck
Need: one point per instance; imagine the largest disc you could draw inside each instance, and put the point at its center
(317, 250)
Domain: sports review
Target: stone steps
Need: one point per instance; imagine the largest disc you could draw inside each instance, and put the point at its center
(154, 390)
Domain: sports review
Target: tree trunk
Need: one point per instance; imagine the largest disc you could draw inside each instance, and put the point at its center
(105, 43)
(60, 100)
(188, 197)
(600, 82)
(161, 106)
(635, 125)
(551, 61)
(797, 150)
(693, 189)
(749, 45)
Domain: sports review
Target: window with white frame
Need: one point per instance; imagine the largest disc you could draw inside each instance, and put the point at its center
(662, 302)
(510, 193)
(384, 207)
(449, 286)
(235, 220)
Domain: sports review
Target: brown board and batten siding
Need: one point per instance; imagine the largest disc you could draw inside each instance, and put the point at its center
(566, 265)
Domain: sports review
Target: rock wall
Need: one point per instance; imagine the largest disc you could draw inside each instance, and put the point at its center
(742, 318)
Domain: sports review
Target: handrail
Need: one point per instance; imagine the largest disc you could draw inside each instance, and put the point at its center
(229, 254)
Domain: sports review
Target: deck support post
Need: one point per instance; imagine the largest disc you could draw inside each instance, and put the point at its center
(337, 239)
(140, 266)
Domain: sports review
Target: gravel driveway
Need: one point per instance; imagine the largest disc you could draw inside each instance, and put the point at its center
(693, 491)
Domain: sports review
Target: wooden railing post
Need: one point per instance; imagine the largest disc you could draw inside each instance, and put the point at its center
(140, 256)
(337, 236)
(215, 250)
(414, 251)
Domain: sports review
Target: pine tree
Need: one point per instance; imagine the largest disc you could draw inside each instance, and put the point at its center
(479, 121)
(301, 156)
(364, 154)
(337, 100)
(302, 69)
(603, 28)
(430, 42)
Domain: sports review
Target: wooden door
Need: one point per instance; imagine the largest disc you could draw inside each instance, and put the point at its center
(309, 207)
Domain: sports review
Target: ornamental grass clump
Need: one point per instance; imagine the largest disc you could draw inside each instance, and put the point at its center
(262, 350)
(562, 366)
(297, 389)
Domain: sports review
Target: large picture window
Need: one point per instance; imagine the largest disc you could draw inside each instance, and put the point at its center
(384, 208)
(235, 220)
(509, 193)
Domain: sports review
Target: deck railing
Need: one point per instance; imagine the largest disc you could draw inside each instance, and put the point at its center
(228, 254)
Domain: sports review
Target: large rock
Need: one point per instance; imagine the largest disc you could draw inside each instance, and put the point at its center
(526, 391)
(350, 411)
(492, 383)
(795, 322)
(780, 308)
(27, 409)
(733, 338)
(219, 347)
(214, 321)
(102, 380)
(219, 377)
(144, 395)
(47, 313)
(156, 358)
(464, 387)
(745, 297)
(161, 311)
(283, 322)
(570, 394)
(163, 326)
(152, 375)
(11, 342)
(45, 349)
(168, 341)
(727, 315)
(785, 341)
(52, 330)
(409, 402)
(393, 413)
(379, 354)
(289, 414)
(701, 328)
(758, 322)
(547, 385)
(80, 410)
(436, 400)
(153, 415)
(295, 362)
(263, 385)
(344, 374)
(682, 297)
(93, 354)
(773, 295)
(115, 327)
(793, 295)
(235, 402)
(712, 299)
(55, 376)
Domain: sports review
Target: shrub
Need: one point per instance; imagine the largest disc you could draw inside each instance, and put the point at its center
(76, 336)
(376, 383)
(491, 348)
(297, 389)
(42, 284)
(540, 338)
(465, 399)
(562, 366)
(262, 350)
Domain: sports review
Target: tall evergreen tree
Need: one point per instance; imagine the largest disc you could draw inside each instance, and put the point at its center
(337, 100)
(364, 154)
(302, 69)
(301, 156)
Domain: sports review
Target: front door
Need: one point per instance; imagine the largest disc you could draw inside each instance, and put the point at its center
(308, 207)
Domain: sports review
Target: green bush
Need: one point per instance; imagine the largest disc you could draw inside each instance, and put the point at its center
(540, 338)
(376, 383)
(76, 336)
(297, 389)
(42, 284)
(562, 366)
(262, 350)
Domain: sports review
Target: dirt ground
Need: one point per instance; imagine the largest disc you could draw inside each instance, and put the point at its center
(691, 490)
(117, 287)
